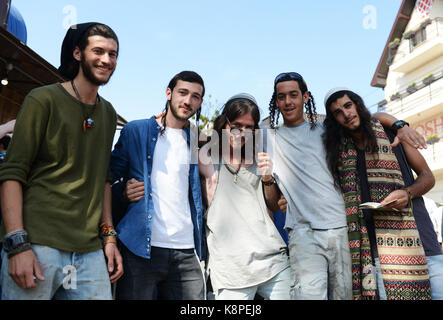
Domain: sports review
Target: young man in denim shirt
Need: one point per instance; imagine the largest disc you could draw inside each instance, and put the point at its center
(161, 230)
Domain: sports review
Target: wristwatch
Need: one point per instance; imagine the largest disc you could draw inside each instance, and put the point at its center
(269, 183)
(399, 124)
(14, 240)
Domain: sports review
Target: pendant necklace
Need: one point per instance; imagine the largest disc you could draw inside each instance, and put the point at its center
(235, 173)
(88, 122)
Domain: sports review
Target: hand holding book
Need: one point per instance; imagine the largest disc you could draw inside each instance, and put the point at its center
(395, 201)
(378, 205)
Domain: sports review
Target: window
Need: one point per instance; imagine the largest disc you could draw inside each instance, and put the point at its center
(416, 38)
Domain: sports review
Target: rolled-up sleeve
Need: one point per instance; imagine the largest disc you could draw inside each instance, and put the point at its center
(119, 156)
(29, 132)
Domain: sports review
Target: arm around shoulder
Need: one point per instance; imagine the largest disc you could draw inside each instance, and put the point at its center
(405, 134)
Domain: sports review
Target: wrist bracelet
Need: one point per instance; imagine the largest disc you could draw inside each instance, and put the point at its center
(268, 183)
(13, 233)
(22, 248)
(106, 231)
(410, 204)
(109, 239)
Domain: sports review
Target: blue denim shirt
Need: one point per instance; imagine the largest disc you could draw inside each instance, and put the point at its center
(133, 158)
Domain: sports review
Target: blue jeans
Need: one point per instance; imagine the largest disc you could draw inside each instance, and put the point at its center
(68, 276)
(435, 268)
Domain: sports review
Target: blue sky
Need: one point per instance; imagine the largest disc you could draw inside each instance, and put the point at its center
(235, 45)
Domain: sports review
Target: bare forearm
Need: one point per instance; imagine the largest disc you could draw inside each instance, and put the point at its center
(385, 119)
(12, 205)
(107, 206)
(425, 178)
(422, 185)
(272, 195)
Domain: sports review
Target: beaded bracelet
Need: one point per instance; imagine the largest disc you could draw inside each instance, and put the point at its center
(410, 204)
(106, 231)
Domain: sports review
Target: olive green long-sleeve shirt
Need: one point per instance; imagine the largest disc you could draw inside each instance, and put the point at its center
(62, 169)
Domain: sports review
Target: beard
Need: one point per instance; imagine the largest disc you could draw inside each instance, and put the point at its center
(89, 75)
(174, 110)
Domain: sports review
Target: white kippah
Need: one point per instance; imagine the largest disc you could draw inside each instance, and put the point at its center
(334, 90)
(243, 96)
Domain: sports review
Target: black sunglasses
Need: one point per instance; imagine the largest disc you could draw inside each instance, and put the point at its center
(288, 76)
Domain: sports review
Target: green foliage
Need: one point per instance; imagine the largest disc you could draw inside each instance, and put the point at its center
(209, 112)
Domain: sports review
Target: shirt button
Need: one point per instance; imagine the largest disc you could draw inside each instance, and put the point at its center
(149, 217)
(154, 139)
(149, 157)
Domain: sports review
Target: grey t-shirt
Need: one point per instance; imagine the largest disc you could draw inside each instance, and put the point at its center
(304, 178)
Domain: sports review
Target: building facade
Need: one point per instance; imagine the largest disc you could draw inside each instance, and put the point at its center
(411, 73)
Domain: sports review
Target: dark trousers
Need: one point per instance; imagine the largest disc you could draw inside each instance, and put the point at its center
(170, 274)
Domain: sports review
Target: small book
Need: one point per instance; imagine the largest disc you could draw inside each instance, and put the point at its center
(377, 206)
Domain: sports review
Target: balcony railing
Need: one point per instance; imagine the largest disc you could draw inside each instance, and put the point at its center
(408, 58)
(410, 103)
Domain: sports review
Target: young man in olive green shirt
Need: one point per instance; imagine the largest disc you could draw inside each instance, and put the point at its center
(55, 186)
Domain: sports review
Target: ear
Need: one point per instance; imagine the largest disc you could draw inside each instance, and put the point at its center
(168, 94)
(306, 97)
(77, 54)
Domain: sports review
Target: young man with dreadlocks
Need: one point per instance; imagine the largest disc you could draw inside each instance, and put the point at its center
(403, 244)
(315, 219)
(161, 231)
(55, 192)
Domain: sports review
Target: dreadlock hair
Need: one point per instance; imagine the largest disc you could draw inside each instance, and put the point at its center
(188, 76)
(310, 108)
(232, 110)
(336, 135)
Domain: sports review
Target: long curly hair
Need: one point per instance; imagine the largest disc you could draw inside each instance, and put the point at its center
(310, 108)
(336, 135)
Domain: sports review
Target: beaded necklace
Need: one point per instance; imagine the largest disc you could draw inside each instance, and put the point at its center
(88, 122)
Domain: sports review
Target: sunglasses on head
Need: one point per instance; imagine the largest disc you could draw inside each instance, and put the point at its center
(286, 76)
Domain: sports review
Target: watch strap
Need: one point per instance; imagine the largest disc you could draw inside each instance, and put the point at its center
(21, 248)
(399, 124)
(14, 239)
(269, 183)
